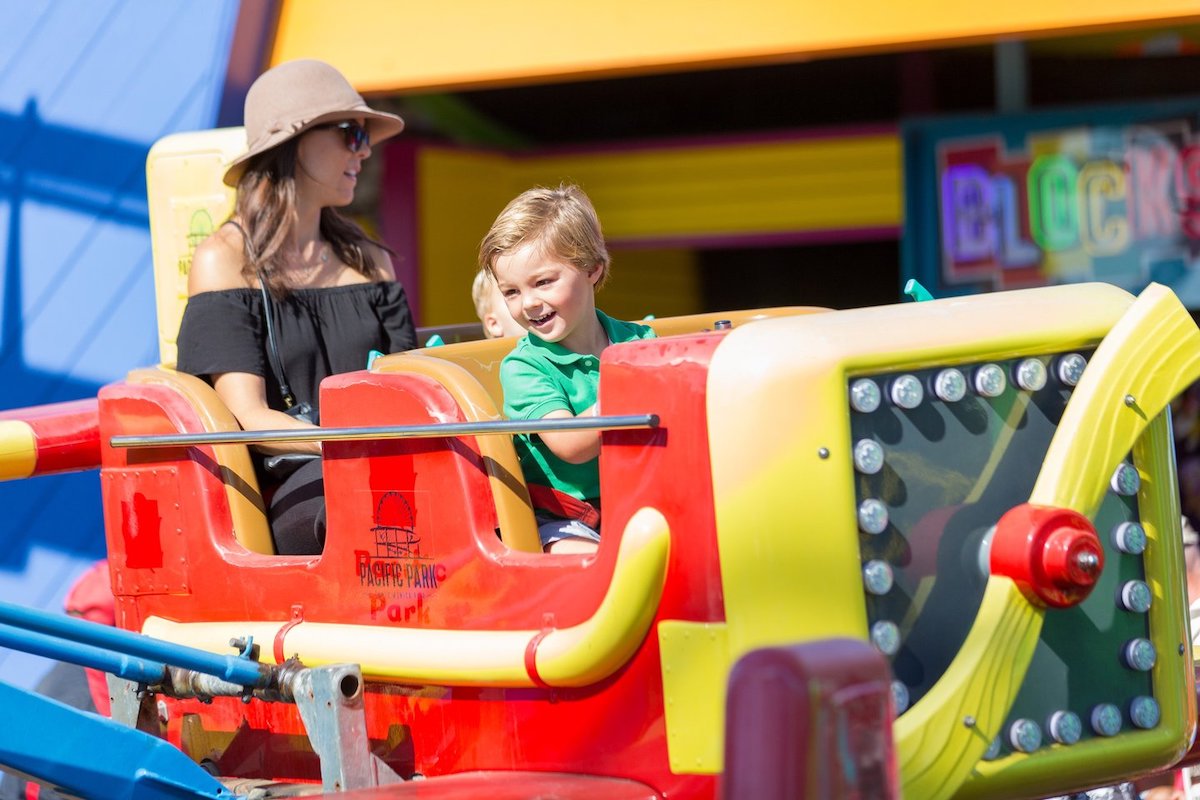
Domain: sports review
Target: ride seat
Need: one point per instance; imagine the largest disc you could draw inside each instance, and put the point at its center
(470, 372)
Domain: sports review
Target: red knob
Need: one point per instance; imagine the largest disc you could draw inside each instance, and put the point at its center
(1052, 554)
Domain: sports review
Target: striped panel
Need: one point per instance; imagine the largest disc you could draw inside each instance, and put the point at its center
(659, 196)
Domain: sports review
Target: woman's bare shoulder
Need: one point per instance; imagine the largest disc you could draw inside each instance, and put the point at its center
(217, 262)
(384, 269)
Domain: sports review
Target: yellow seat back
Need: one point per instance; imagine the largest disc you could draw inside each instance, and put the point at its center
(188, 201)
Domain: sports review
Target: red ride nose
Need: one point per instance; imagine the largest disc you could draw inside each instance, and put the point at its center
(1052, 554)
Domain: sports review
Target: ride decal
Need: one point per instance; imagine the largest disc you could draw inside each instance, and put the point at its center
(394, 566)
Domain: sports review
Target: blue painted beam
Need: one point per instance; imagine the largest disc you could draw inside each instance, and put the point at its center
(231, 668)
(130, 668)
(90, 756)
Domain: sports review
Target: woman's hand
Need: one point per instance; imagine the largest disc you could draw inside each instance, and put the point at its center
(246, 397)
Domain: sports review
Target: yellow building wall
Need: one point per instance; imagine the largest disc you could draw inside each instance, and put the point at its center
(655, 203)
(664, 283)
(391, 45)
(459, 193)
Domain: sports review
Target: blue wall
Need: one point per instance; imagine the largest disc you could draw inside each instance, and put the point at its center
(86, 87)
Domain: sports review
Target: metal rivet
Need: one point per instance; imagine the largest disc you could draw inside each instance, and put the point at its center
(872, 516)
(1125, 480)
(868, 456)
(823, 452)
(1025, 736)
(1144, 712)
(1139, 654)
(900, 697)
(1065, 727)
(1106, 719)
(885, 635)
(865, 396)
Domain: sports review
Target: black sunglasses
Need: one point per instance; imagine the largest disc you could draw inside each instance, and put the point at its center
(355, 135)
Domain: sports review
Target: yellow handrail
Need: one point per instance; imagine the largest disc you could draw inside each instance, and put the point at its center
(561, 657)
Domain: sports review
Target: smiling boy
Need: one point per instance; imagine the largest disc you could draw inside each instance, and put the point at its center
(547, 255)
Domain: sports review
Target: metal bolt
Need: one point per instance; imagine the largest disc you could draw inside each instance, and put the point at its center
(1087, 562)
(823, 452)
(1130, 400)
(969, 721)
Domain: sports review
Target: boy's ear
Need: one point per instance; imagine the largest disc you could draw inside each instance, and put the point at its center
(596, 274)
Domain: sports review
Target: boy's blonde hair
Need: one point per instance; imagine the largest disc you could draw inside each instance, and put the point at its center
(563, 220)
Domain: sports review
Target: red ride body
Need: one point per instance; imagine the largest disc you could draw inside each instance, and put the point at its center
(174, 556)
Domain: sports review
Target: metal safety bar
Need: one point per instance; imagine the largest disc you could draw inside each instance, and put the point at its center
(430, 431)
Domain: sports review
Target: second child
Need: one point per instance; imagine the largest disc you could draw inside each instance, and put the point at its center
(547, 255)
(491, 309)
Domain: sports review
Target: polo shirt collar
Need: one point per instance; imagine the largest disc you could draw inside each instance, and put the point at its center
(553, 351)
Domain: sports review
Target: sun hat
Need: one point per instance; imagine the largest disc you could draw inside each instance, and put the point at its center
(294, 96)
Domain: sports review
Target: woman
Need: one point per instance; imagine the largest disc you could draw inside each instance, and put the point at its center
(333, 295)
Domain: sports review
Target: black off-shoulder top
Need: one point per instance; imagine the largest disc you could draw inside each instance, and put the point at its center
(319, 332)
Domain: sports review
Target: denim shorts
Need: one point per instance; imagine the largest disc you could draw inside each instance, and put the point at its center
(552, 529)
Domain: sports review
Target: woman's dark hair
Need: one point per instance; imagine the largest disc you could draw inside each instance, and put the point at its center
(266, 208)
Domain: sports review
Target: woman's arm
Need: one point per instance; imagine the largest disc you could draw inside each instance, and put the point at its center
(394, 313)
(217, 266)
(246, 397)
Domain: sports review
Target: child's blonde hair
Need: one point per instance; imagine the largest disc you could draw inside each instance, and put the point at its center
(481, 293)
(562, 220)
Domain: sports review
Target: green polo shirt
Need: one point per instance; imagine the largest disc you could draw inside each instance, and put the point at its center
(539, 377)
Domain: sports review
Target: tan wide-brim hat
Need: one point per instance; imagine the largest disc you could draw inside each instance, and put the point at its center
(292, 97)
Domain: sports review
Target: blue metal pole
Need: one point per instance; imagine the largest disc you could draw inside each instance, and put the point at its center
(85, 655)
(234, 669)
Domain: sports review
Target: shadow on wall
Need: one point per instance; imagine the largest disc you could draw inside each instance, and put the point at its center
(58, 291)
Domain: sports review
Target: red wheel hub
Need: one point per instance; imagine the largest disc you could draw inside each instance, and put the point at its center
(1053, 554)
